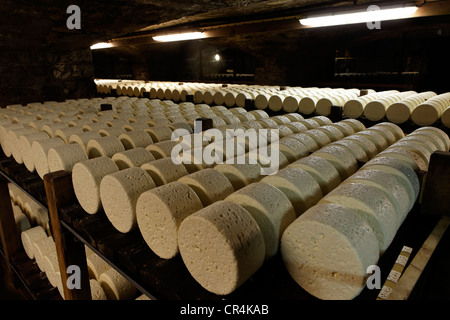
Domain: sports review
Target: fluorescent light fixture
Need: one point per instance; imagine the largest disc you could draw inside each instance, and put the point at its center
(359, 17)
(101, 45)
(180, 36)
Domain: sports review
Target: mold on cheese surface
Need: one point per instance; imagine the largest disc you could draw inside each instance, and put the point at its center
(222, 246)
(327, 251)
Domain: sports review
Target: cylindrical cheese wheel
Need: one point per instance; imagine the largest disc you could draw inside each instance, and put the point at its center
(97, 292)
(116, 286)
(83, 138)
(132, 158)
(51, 128)
(12, 140)
(25, 143)
(159, 213)
(164, 170)
(296, 127)
(86, 179)
(104, 147)
(320, 137)
(159, 133)
(65, 133)
(96, 266)
(332, 132)
(355, 124)
(309, 142)
(41, 248)
(321, 170)
(365, 143)
(221, 246)
(407, 155)
(119, 193)
(270, 208)
(50, 266)
(355, 149)
(372, 204)
(240, 175)
(112, 131)
(392, 185)
(395, 129)
(135, 139)
(327, 251)
(298, 185)
(210, 185)
(439, 133)
(293, 149)
(40, 150)
(375, 137)
(340, 157)
(162, 149)
(65, 157)
(354, 108)
(429, 137)
(31, 236)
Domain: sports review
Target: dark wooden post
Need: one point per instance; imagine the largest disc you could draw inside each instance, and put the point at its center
(60, 193)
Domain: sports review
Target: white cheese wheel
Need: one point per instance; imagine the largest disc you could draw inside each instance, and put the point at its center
(353, 108)
(339, 156)
(86, 178)
(222, 246)
(364, 142)
(269, 163)
(354, 148)
(132, 158)
(66, 132)
(97, 292)
(159, 213)
(164, 170)
(38, 215)
(292, 149)
(395, 129)
(12, 140)
(137, 126)
(415, 146)
(309, 123)
(65, 157)
(332, 132)
(407, 155)
(298, 185)
(399, 112)
(40, 149)
(320, 137)
(160, 133)
(51, 128)
(162, 149)
(322, 120)
(28, 237)
(307, 141)
(445, 117)
(372, 205)
(41, 248)
(96, 266)
(385, 132)
(291, 104)
(104, 147)
(259, 114)
(294, 116)
(327, 252)
(4, 129)
(210, 185)
(429, 137)
(393, 186)
(307, 105)
(21, 220)
(112, 131)
(25, 143)
(119, 193)
(321, 170)
(296, 127)
(116, 286)
(375, 137)
(240, 175)
(355, 124)
(135, 139)
(345, 128)
(83, 138)
(426, 114)
(399, 168)
(439, 133)
(270, 208)
(50, 266)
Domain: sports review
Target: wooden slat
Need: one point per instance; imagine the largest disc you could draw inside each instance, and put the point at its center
(60, 193)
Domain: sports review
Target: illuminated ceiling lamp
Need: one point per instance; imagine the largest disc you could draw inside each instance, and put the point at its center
(101, 45)
(371, 14)
(180, 36)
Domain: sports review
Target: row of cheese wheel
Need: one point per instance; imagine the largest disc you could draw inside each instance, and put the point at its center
(329, 249)
(423, 109)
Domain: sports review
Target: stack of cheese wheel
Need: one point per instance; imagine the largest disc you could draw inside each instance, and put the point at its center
(430, 111)
(324, 104)
(400, 111)
(222, 246)
(376, 110)
(354, 108)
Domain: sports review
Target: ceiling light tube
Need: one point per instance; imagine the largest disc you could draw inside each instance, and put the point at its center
(180, 36)
(359, 17)
(101, 45)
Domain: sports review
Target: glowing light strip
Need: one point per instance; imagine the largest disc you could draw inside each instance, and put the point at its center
(359, 17)
(180, 36)
(101, 45)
